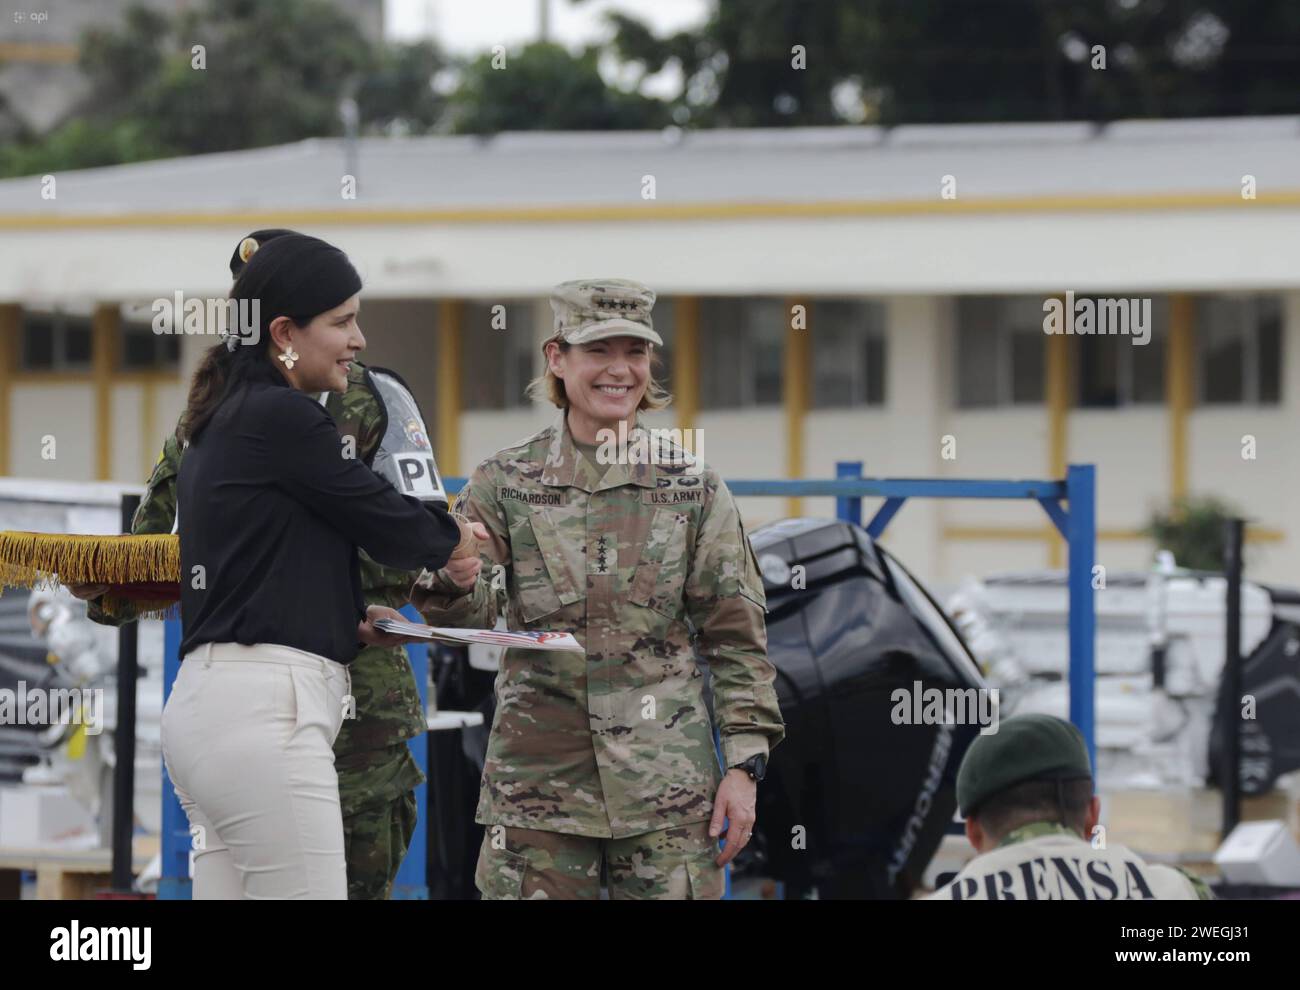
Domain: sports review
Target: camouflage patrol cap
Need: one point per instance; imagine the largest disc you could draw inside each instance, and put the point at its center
(1027, 747)
(590, 309)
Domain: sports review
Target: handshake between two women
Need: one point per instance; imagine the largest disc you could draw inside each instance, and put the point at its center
(462, 569)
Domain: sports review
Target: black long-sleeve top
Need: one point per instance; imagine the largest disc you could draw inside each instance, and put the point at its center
(271, 513)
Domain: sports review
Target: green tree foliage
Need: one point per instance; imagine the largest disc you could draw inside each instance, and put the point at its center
(83, 143)
(273, 73)
(921, 61)
(1193, 530)
(739, 67)
(397, 92)
(544, 87)
(123, 61)
(277, 72)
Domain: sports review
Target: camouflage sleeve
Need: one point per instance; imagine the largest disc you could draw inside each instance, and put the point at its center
(440, 600)
(358, 414)
(156, 514)
(384, 585)
(369, 422)
(726, 605)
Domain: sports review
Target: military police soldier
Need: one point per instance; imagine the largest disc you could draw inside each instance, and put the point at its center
(1026, 793)
(610, 755)
(376, 772)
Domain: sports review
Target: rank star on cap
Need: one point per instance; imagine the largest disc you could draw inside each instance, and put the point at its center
(587, 311)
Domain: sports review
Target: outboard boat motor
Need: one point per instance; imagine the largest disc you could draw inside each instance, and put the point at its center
(858, 795)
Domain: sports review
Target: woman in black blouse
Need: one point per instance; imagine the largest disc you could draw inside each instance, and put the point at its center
(272, 507)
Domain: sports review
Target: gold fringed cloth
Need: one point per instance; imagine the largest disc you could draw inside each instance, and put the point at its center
(144, 571)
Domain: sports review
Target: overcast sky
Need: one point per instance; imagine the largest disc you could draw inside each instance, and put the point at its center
(463, 26)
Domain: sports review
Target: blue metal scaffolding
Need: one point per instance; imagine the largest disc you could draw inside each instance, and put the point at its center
(1077, 524)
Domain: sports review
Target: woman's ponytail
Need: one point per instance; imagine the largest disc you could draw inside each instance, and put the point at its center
(210, 384)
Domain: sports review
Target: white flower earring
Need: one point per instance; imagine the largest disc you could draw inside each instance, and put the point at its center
(289, 357)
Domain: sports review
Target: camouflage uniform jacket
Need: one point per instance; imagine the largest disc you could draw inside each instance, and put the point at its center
(1047, 861)
(645, 566)
(388, 709)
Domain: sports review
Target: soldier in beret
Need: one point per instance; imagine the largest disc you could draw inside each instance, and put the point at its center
(608, 759)
(1026, 793)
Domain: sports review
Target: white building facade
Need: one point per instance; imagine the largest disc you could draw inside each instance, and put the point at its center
(825, 295)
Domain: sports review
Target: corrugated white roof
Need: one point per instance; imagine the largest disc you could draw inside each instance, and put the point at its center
(720, 166)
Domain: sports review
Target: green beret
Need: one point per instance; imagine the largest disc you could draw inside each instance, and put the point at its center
(1026, 747)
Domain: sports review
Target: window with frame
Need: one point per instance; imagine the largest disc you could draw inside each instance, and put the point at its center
(1001, 350)
(55, 340)
(500, 354)
(143, 350)
(1238, 350)
(742, 350)
(848, 352)
(1112, 370)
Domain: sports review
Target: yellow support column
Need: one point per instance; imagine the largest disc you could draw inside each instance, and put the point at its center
(1178, 388)
(798, 362)
(105, 324)
(686, 360)
(11, 318)
(148, 426)
(1057, 377)
(448, 378)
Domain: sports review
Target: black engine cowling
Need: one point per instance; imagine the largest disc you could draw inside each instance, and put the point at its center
(854, 804)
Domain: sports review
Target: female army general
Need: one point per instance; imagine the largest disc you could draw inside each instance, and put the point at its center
(610, 755)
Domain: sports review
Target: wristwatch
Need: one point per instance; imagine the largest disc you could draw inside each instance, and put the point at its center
(755, 766)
